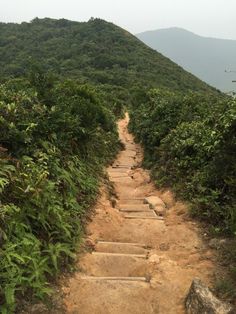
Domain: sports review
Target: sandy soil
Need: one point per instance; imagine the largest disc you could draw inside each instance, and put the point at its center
(153, 266)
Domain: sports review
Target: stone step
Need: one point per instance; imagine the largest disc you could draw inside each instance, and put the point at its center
(123, 202)
(142, 279)
(114, 265)
(131, 154)
(135, 198)
(135, 210)
(122, 180)
(122, 167)
(135, 207)
(125, 248)
(112, 295)
(128, 192)
(122, 243)
(118, 176)
(146, 214)
(143, 217)
(145, 256)
(115, 170)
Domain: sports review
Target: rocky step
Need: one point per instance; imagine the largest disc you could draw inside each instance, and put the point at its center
(134, 207)
(118, 175)
(145, 256)
(126, 180)
(115, 295)
(131, 148)
(136, 210)
(132, 201)
(114, 168)
(116, 247)
(113, 171)
(133, 279)
(147, 214)
(154, 201)
(114, 265)
(128, 192)
(143, 217)
(131, 154)
(124, 160)
(122, 166)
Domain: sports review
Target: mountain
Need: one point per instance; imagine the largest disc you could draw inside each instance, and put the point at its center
(207, 58)
(96, 51)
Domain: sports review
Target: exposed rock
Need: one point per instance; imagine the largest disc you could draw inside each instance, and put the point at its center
(89, 244)
(154, 201)
(160, 210)
(164, 246)
(200, 300)
(154, 259)
(113, 202)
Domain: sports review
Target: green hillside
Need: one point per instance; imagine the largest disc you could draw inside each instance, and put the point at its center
(96, 51)
(189, 143)
(62, 86)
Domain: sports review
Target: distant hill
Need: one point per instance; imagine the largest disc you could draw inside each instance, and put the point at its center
(207, 58)
(95, 51)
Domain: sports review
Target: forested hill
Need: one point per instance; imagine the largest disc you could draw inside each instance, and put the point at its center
(95, 51)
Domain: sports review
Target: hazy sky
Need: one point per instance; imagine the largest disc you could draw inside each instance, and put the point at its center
(215, 18)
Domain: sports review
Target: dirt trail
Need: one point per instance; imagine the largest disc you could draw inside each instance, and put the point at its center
(150, 262)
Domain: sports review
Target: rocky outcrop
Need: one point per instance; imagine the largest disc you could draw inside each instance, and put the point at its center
(157, 204)
(200, 300)
(154, 201)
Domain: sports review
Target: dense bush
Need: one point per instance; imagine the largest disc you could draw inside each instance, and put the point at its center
(52, 149)
(190, 145)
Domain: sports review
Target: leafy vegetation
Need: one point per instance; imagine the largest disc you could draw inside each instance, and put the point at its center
(97, 52)
(55, 139)
(57, 128)
(190, 145)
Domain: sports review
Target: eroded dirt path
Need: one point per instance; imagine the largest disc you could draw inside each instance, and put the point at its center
(139, 264)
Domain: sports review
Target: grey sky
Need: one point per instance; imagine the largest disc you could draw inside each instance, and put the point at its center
(215, 18)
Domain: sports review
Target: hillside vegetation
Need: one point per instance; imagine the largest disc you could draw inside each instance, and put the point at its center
(54, 143)
(96, 51)
(190, 145)
(63, 85)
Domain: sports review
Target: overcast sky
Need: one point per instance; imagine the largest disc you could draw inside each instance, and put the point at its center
(215, 18)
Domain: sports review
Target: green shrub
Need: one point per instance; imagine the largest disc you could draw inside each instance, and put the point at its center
(53, 148)
(190, 145)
